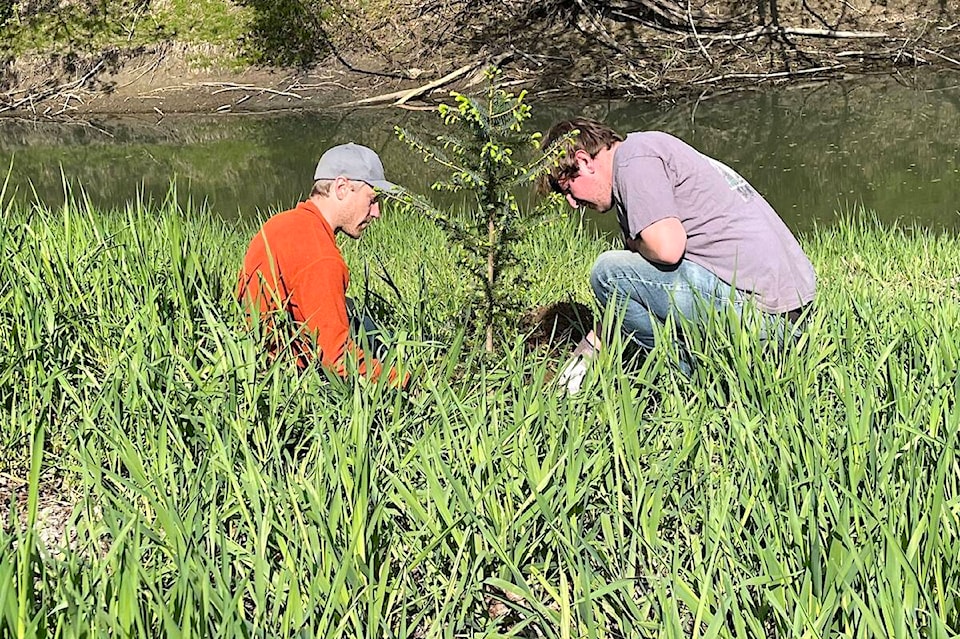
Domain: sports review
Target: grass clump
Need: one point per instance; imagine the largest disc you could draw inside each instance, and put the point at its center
(806, 492)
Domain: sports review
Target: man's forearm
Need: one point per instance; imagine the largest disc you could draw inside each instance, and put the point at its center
(637, 245)
(662, 242)
(588, 345)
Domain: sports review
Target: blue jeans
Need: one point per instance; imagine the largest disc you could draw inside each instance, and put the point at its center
(645, 295)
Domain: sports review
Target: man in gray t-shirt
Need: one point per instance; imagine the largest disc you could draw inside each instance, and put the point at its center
(696, 233)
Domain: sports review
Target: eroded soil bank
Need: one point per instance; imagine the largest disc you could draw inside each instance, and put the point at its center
(410, 53)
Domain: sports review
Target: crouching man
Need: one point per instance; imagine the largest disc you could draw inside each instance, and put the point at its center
(294, 268)
(696, 234)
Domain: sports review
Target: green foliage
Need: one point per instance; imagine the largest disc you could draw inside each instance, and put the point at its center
(205, 22)
(92, 26)
(813, 492)
(286, 32)
(483, 155)
(410, 250)
(68, 27)
(6, 12)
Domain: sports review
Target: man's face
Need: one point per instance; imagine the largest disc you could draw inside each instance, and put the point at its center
(361, 206)
(591, 187)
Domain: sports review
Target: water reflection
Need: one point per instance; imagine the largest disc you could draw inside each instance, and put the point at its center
(812, 150)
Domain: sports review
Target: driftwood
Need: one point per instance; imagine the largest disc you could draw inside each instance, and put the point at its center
(400, 98)
(900, 53)
(230, 86)
(63, 89)
(406, 94)
(941, 56)
(436, 84)
(693, 28)
(811, 33)
(768, 76)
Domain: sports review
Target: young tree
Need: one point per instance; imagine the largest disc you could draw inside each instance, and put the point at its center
(482, 153)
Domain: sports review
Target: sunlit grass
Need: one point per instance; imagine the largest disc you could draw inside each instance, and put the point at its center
(808, 492)
(201, 26)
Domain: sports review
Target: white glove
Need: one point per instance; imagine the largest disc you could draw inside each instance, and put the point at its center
(573, 373)
(571, 377)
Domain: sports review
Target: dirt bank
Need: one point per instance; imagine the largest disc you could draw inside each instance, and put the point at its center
(409, 53)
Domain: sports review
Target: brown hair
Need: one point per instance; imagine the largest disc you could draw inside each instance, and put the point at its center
(590, 136)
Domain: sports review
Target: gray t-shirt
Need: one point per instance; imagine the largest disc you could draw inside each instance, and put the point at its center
(731, 230)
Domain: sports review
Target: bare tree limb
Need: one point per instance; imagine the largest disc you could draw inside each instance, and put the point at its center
(33, 98)
(769, 76)
(430, 86)
(400, 98)
(693, 28)
(231, 86)
(812, 33)
(941, 56)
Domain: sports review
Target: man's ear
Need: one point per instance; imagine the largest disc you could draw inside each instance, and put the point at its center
(584, 161)
(341, 186)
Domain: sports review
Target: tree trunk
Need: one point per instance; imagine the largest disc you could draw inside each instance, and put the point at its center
(774, 14)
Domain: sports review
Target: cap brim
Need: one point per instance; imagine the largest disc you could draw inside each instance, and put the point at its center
(383, 185)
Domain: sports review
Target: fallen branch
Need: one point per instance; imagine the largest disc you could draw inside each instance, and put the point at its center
(912, 56)
(812, 33)
(230, 86)
(768, 76)
(317, 85)
(430, 86)
(33, 98)
(494, 61)
(400, 98)
(941, 56)
(693, 28)
(398, 95)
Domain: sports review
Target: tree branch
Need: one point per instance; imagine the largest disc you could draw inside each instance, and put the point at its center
(768, 76)
(811, 33)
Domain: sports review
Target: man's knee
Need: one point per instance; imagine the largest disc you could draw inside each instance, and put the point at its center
(623, 272)
(608, 267)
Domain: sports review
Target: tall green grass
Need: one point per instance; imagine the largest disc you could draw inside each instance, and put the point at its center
(809, 492)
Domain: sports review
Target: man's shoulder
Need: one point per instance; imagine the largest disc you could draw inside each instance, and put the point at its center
(288, 215)
(295, 220)
(650, 142)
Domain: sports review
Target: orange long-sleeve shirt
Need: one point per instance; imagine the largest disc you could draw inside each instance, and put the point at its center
(293, 264)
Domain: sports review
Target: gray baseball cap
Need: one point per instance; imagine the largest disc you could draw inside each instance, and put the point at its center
(355, 162)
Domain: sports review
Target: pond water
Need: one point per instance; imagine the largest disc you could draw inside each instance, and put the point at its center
(890, 144)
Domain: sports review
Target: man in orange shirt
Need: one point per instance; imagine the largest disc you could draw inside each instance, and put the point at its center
(294, 269)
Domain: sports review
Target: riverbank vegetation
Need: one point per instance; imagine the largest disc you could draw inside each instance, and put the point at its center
(72, 56)
(809, 492)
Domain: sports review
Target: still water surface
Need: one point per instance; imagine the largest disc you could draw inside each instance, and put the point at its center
(813, 151)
